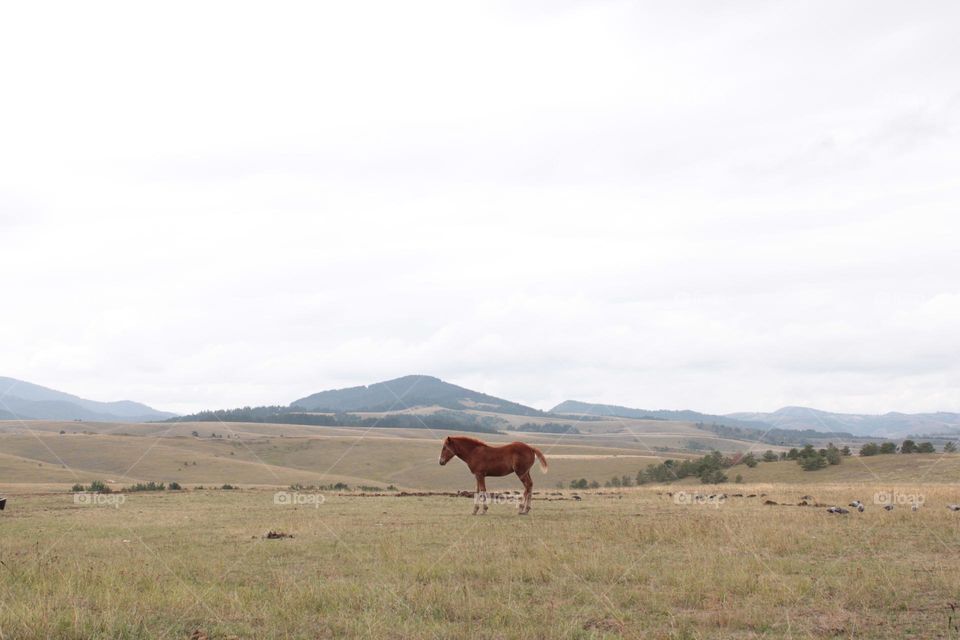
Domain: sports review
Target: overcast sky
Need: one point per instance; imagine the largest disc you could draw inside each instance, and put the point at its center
(718, 206)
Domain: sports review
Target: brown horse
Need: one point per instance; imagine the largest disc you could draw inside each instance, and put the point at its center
(485, 460)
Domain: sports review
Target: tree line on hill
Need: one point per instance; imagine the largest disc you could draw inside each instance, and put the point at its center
(287, 415)
(711, 468)
(773, 435)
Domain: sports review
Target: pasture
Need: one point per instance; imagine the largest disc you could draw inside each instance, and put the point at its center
(633, 563)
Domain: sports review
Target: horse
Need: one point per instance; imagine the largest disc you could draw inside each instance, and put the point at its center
(485, 460)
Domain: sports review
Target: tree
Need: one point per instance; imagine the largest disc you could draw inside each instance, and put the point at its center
(769, 456)
(714, 476)
(750, 460)
(950, 447)
(793, 454)
(908, 446)
(846, 451)
(869, 449)
(813, 463)
(925, 447)
(833, 455)
(888, 447)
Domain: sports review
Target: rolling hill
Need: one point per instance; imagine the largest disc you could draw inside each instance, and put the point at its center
(20, 400)
(408, 392)
(577, 408)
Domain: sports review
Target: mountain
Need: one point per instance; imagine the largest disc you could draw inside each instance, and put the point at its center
(577, 408)
(27, 401)
(408, 392)
(888, 425)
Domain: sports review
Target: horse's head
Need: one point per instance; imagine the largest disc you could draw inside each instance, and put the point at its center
(446, 452)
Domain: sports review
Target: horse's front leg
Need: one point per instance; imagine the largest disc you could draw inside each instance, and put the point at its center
(486, 497)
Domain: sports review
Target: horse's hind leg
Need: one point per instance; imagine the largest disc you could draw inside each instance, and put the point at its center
(486, 497)
(527, 492)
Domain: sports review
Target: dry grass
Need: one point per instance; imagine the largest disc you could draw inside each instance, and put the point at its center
(633, 564)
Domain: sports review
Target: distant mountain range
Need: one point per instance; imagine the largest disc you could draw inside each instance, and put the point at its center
(409, 391)
(21, 400)
(796, 419)
(455, 405)
(886, 425)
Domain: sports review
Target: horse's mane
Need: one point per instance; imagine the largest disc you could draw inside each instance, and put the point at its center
(468, 440)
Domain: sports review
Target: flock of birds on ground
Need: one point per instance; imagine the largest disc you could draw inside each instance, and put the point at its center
(859, 506)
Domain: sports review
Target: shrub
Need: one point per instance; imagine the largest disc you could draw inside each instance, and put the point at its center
(869, 449)
(147, 486)
(950, 447)
(228, 487)
(98, 486)
(174, 486)
(77, 487)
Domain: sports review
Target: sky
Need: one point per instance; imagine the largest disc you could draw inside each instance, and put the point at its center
(707, 205)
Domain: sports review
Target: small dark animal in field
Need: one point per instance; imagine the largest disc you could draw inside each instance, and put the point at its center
(855, 504)
(889, 507)
(3, 504)
(806, 497)
(484, 460)
(577, 498)
(752, 495)
(276, 535)
(839, 510)
(770, 502)
(953, 507)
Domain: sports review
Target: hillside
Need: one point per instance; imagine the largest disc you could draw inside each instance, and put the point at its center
(27, 401)
(577, 408)
(888, 425)
(408, 392)
(280, 455)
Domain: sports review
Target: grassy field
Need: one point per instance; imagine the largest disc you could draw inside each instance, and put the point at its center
(631, 564)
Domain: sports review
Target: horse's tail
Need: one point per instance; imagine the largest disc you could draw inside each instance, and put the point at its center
(543, 461)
